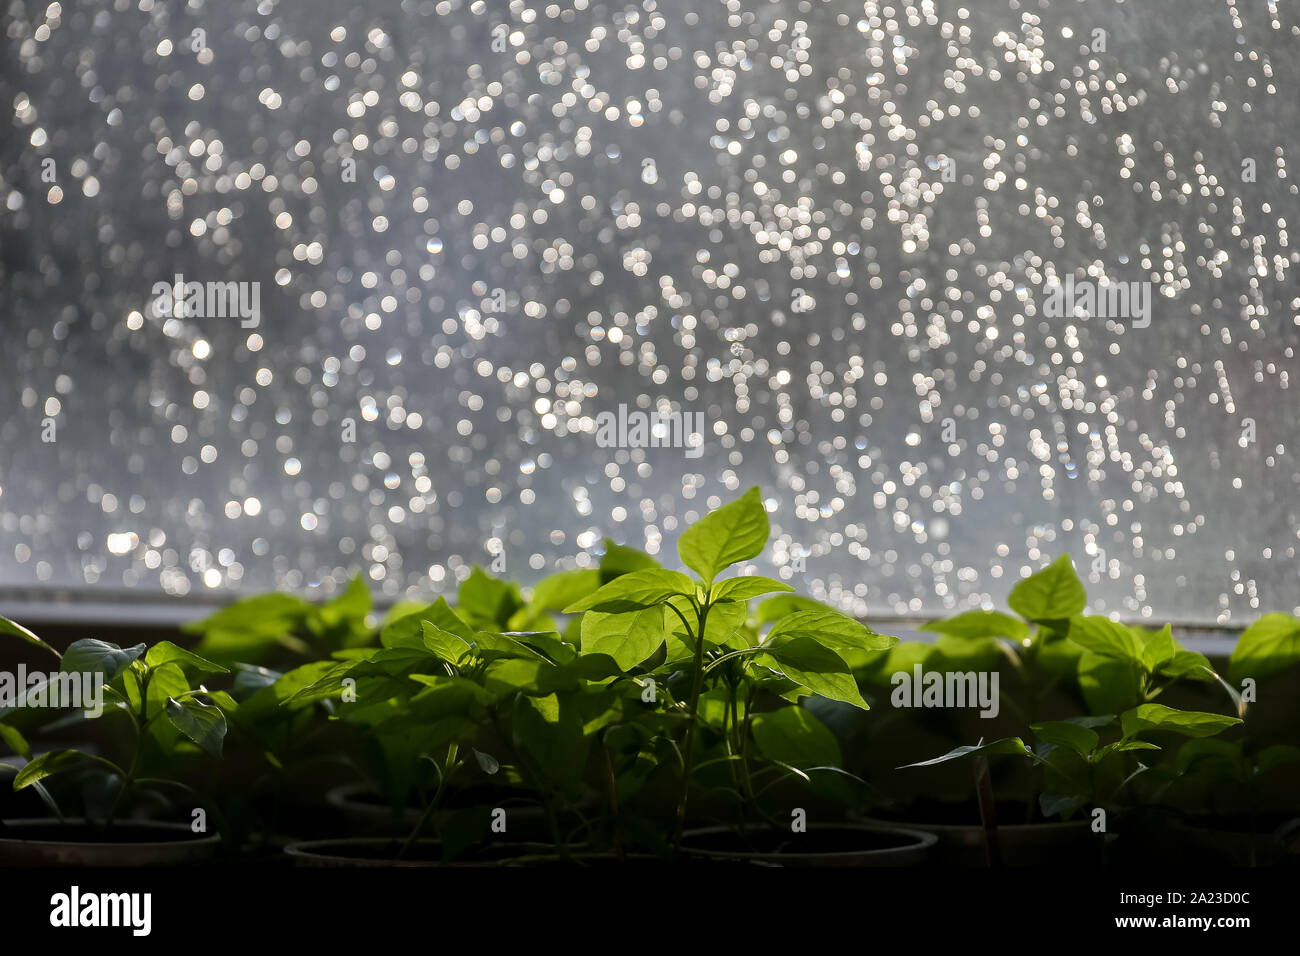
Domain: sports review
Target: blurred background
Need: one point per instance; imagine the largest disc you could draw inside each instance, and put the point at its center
(828, 228)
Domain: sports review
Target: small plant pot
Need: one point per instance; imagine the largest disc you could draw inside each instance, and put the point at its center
(1021, 844)
(130, 843)
(384, 852)
(862, 844)
(1213, 846)
(365, 813)
(584, 860)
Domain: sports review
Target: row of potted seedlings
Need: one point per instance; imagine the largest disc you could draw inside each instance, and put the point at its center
(639, 713)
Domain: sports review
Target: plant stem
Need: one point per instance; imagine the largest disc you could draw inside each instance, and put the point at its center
(697, 684)
(744, 745)
(733, 654)
(127, 783)
(731, 732)
(988, 812)
(736, 748)
(141, 724)
(613, 804)
(443, 774)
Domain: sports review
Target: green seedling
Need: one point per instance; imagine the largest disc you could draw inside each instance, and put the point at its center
(258, 628)
(154, 690)
(1077, 769)
(445, 706)
(693, 642)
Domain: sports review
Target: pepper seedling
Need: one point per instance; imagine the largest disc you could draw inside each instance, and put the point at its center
(152, 687)
(1077, 769)
(712, 666)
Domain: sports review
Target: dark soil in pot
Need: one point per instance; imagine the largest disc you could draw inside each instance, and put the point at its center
(961, 838)
(821, 845)
(129, 843)
(366, 813)
(387, 852)
(592, 860)
(1268, 840)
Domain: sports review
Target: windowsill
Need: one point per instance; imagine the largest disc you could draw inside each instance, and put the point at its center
(70, 609)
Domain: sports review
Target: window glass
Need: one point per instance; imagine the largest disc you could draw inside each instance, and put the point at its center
(292, 291)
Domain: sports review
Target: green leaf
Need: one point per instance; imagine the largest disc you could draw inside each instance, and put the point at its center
(816, 667)
(16, 742)
(486, 762)
(621, 559)
(552, 735)
(441, 614)
(744, 588)
(549, 644)
(165, 652)
(1159, 649)
(408, 629)
(558, 591)
(725, 626)
(1189, 665)
(1269, 645)
(1276, 756)
(792, 735)
(204, 724)
(486, 600)
(636, 590)
(450, 647)
(1061, 733)
(628, 637)
(1007, 745)
(974, 625)
(266, 702)
(901, 658)
(1099, 755)
(1109, 684)
(775, 608)
(1214, 758)
(494, 646)
(535, 677)
(17, 630)
(447, 697)
(1093, 722)
(594, 668)
(251, 626)
(46, 764)
(1056, 657)
(1124, 746)
(89, 656)
(351, 605)
(400, 609)
(1053, 594)
(341, 622)
(715, 708)
(1189, 723)
(165, 680)
(951, 654)
(1103, 636)
(1066, 771)
(1163, 655)
(735, 532)
(831, 629)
